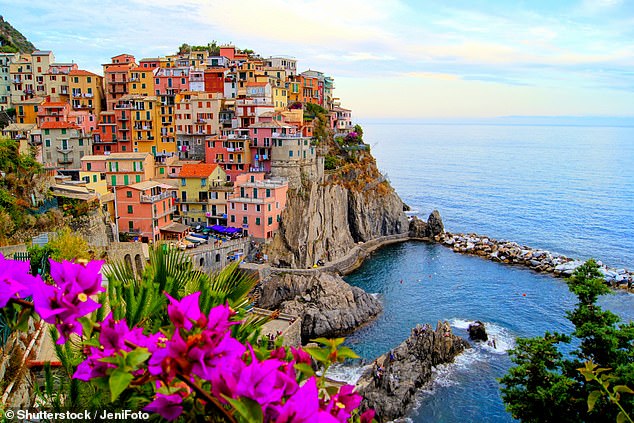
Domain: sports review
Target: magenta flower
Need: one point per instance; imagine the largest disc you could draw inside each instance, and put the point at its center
(93, 367)
(218, 321)
(170, 359)
(168, 406)
(208, 357)
(15, 278)
(77, 278)
(259, 381)
(303, 407)
(183, 312)
(367, 416)
(69, 299)
(343, 403)
(301, 356)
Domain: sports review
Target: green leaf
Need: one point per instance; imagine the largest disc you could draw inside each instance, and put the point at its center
(345, 352)
(249, 409)
(118, 382)
(318, 354)
(592, 399)
(623, 388)
(304, 368)
(137, 357)
(622, 418)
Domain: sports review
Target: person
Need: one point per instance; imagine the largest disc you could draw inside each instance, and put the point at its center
(391, 356)
(494, 345)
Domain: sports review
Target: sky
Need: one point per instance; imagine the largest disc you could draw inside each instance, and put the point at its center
(390, 58)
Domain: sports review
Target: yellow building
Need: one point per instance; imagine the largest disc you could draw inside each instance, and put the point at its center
(141, 81)
(86, 90)
(280, 98)
(26, 110)
(93, 173)
(203, 194)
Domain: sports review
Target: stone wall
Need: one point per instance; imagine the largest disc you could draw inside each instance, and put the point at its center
(9, 250)
(213, 257)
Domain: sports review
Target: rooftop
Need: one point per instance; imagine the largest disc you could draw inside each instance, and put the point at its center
(128, 156)
(80, 72)
(58, 125)
(201, 170)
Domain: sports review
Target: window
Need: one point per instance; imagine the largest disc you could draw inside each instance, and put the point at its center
(81, 142)
(126, 181)
(94, 178)
(130, 210)
(63, 130)
(88, 166)
(269, 206)
(47, 143)
(47, 132)
(257, 207)
(245, 207)
(128, 194)
(233, 219)
(183, 182)
(203, 182)
(245, 220)
(290, 153)
(138, 178)
(270, 220)
(268, 193)
(162, 170)
(257, 221)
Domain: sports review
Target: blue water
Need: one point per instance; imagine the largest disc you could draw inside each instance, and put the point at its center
(566, 189)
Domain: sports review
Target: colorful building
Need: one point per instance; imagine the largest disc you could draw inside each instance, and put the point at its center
(86, 91)
(232, 153)
(116, 78)
(105, 135)
(129, 168)
(56, 81)
(63, 146)
(262, 135)
(203, 194)
(93, 173)
(5, 78)
(256, 204)
(143, 209)
(41, 61)
(21, 77)
(141, 79)
(26, 110)
(197, 119)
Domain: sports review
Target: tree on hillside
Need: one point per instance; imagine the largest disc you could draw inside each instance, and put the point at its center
(546, 384)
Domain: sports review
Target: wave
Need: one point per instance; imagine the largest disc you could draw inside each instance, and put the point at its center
(504, 340)
(346, 373)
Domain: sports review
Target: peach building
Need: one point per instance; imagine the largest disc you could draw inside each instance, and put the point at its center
(129, 168)
(143, 209)
(256, 204)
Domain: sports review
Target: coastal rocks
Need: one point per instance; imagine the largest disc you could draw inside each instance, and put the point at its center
(430, 229)
(477, 332)
(538, 260)
(327, 305)
(390, 385)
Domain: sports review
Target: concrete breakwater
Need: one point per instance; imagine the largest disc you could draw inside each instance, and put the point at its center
(542, 261)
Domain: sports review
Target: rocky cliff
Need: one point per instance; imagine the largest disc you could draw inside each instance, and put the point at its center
(390, 384)
(327, 305)
(325, 218)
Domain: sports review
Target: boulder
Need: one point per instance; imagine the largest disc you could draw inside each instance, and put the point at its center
(389, 386)
(434, 222)
(327, 305)
(418, 228)
(477, 331)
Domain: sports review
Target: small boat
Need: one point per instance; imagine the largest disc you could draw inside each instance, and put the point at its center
(201, 236)
(194, 240)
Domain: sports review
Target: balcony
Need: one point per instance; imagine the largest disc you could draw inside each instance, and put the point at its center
(88, 95)
(65, 160)
(246, 200)
(279, 135)
(155, 198)
(122, 106)
(135, 79)
(76, 93)
(200, 121)
(168, 210)
(65, 150)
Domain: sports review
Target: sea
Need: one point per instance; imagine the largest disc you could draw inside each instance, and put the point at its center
(564, 188)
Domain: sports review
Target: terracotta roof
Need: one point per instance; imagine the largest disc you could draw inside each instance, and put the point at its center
(256, 84)
(80, 72)
(197, 170)
(119, 68)
(54, 104)
(58, 125)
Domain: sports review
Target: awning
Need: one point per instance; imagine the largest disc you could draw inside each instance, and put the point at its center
(175, 227)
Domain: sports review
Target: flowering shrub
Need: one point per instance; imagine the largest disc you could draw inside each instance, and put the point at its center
(194, 366)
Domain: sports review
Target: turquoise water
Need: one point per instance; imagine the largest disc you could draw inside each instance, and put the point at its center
(566, 189)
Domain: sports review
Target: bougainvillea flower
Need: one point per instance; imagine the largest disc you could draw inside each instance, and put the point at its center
(301, 356)
(207, 358)
(303, 407)
(183, 312)
(343, 403)
(367, 416)
(171, 359)
(15, 278)
(77, 278)
(92, 367)
(168, 406)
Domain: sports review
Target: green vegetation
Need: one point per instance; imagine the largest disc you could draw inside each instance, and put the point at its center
(551, 385)
(65, 246)
(12, 41)
(213, 48)
(22, 181)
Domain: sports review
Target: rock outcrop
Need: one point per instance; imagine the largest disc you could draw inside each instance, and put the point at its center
(477, 331)
(390, 385)
(327, 305)
(325, 218)
(426, 230)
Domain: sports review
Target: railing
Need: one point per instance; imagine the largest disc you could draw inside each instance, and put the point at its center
(155, 198)
(65, 150)
(66, 160)
(246, 200)
(168, 210)
(76, 94)
(278, 135)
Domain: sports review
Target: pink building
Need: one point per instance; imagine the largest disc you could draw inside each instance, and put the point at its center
(144, 208)
(256, 204)
(262, 135)
(233, 153)
(52, 112)
(171, 81)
